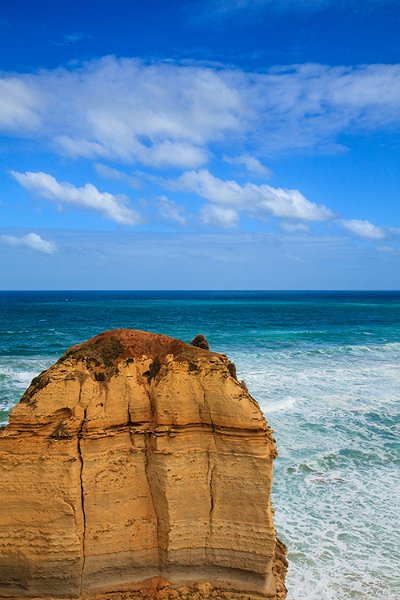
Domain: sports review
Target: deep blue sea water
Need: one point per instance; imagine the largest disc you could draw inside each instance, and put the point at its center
(324, 367)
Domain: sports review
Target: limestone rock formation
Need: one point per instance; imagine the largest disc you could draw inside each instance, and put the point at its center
(138, 467)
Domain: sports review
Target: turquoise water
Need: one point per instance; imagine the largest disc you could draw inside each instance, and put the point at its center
(325, 369)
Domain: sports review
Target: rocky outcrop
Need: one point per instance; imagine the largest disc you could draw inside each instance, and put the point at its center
(138, 467)
(200, 341)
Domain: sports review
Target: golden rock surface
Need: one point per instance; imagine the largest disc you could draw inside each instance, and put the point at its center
(138, 467)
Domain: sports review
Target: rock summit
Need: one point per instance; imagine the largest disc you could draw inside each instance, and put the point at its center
(138, 466)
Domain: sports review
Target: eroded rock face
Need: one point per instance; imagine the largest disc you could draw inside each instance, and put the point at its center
(138, 467)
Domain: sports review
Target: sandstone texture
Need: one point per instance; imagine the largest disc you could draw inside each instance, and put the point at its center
(138, 467)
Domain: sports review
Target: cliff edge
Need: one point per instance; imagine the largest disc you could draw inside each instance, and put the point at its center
(138, 467)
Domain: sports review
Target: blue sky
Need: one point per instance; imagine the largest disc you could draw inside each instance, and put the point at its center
(213, 144)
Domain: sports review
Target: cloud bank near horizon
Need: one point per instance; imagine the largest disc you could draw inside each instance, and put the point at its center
(160, 260)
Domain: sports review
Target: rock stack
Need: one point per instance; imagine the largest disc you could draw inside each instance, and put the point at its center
(138, 467)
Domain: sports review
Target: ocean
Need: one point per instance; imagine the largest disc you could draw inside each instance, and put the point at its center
(324, 367)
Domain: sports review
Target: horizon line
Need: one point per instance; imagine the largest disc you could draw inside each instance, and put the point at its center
(308, 290)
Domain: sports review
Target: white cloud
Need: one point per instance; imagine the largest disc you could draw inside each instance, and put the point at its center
(164, 154)
(19, 105)
(171, 211)
(171, 115)
(219, 216)
(308, 106)
(87, 196)
(294, 227)
(30, 240)
(74, 147)
(251, 163)
(256, 200)
(156, 114)
(363, 229)
(291, 204)
(117, 175)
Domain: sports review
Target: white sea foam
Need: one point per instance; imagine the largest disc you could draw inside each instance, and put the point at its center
(16, 373)
(336, 416)
(280, 405)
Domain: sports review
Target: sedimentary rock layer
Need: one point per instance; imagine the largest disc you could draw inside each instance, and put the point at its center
(138, 467)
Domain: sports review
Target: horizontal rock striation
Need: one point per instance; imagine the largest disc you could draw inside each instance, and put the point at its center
(138, 467)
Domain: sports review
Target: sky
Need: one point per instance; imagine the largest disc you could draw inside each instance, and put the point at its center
(200, 144)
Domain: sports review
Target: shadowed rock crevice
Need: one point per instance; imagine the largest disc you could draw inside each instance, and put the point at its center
(147, 468)
(79, 438)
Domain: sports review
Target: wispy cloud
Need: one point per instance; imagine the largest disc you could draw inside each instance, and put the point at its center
(251, 163)
(389, 250)
(87, 196)
(73, 38)
(363, 229)
(171, 211)
(219, 216)
(30, 240)
(294, 227)
(258, 201)
(165, 153)
(117, 175)
(20, 106)
(204, 11)
(170, 115)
